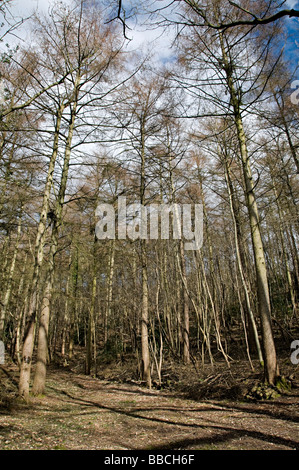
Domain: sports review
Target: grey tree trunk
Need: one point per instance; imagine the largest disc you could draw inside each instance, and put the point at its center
(145, 351)
(26, 359)
(264, 305)
(240, 264)
(42, 347)
(109, 291)
(8, 289)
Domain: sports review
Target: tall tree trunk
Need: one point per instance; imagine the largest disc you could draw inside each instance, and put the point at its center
(185, 323)
(8, 290)
(91, 324)
(21, 312)
(145, 351)
(287, 132)
(66, 314)
(184, 319)
(270, 360)
(74, 303)
(146, 372)
(237, 239)
(26, 359)
(42, 347)
(291, 289)
(109, 291)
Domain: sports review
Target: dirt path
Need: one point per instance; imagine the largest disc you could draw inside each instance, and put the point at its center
(80, 412)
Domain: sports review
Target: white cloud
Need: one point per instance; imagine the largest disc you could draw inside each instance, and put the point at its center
(156, 41)
(25, 8)
(292, 3)
(159, 45)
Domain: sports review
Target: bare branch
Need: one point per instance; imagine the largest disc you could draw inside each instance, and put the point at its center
(253, 21)
(32, 99)
(258, 21)
(121, 19)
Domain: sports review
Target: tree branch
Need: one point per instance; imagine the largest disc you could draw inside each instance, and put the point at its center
(259, 21)
(254, 21)
(122, 20)
(32, 99)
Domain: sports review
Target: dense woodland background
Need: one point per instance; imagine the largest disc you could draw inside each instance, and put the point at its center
(86, 119)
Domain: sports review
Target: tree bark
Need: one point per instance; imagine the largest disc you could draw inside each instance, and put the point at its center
(270, 365)
(42, 348)
(239, 261)
(109, 291)
(8, 290)
(146, 371)
(28, 344)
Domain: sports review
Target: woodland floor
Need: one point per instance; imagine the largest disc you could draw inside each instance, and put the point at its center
(210, 412)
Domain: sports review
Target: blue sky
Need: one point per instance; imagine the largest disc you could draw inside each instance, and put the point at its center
(291, 48)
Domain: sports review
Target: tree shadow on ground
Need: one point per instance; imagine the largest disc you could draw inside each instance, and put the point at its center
(265, 410)
(221, 433)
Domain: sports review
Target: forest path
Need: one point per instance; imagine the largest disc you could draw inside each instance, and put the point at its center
(81, 412)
